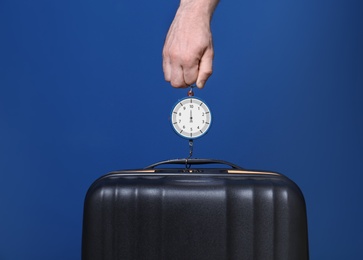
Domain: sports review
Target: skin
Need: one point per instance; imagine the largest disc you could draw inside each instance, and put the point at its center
(188, 49)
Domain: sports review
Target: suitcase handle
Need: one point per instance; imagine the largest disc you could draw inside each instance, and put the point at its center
(194, 161)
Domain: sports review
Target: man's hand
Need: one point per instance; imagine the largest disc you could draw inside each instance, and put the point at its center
(188, 48)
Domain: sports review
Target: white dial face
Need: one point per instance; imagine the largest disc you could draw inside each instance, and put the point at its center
(191, 118)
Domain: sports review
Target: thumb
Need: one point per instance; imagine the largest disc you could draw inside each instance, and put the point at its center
(205, 68)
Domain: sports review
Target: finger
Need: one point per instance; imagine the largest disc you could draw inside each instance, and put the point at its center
(166, 69)
(177, 78)
(191, 74)
(205, 68)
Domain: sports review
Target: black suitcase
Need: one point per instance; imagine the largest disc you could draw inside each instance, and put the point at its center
(194, 213)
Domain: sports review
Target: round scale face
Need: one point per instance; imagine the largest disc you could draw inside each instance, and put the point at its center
(191, 118)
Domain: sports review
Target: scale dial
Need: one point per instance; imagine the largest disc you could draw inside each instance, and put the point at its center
(191, 118)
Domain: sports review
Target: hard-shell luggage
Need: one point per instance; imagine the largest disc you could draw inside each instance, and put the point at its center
(190, 212)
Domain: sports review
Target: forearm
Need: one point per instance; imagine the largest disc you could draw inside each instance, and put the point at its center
(198, 8)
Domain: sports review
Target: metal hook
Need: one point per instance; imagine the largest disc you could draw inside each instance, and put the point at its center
(191, 92)
(187, 166)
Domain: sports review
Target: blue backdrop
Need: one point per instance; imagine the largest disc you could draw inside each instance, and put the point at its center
(82, 93)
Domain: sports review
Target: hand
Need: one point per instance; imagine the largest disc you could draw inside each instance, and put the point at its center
(188, 48)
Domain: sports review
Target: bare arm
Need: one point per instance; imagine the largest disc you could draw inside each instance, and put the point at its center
(188, 48)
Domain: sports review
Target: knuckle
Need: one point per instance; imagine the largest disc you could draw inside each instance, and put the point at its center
(188, 61)
(185, 60)
(207, 73)
(173, 55)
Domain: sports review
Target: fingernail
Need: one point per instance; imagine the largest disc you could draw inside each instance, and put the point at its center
(200, 84)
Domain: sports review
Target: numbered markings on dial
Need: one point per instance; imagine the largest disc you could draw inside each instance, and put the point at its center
(191, 118)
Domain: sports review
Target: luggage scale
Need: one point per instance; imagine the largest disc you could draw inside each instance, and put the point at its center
(191, 118)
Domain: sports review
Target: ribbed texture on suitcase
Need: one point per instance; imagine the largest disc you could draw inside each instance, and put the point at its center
(194, 217)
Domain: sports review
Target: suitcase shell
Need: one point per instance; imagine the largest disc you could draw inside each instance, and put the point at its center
(194, 213)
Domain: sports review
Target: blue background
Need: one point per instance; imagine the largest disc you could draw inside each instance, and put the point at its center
(82, 93)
